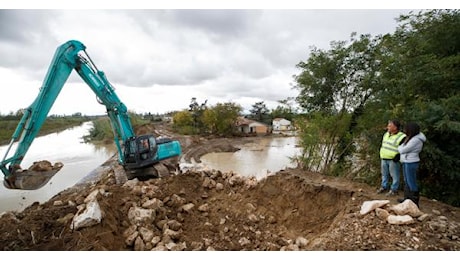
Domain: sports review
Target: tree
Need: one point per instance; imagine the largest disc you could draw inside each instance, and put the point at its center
(285, 109)
(221, 118)
(197, 112)
(411, 74)
(337, 84)
(260, 112)
(183, 122)
(422, 82)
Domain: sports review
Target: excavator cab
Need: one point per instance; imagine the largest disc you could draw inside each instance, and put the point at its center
(140, 152)
(146, 150)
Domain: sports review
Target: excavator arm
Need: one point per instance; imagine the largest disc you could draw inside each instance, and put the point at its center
(135, 152)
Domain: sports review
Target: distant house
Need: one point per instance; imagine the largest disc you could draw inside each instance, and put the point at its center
(281, 124)
(249, 126)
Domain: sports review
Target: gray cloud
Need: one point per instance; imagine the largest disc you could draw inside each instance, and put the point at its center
(221, 23)
(226, 54)
(23, 26)
(23, 36)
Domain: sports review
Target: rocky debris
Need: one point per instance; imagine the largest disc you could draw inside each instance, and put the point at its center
(203, 209)
(210, 210)
(152, 229)
(404, 211)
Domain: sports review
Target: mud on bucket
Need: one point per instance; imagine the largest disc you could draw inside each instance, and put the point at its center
(39, 174)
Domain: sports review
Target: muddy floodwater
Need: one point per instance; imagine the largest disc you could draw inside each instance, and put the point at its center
(80, 159)
(260, 159)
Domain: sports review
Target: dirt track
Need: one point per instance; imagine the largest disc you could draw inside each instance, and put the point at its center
(211, 210)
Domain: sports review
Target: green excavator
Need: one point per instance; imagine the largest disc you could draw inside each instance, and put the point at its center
(134, 152)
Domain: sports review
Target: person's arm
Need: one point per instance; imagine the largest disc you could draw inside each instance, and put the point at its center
(410, 146)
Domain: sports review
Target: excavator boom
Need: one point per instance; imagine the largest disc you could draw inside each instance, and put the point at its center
(135, 152)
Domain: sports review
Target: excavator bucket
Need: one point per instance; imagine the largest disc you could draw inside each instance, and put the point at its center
(39, 174)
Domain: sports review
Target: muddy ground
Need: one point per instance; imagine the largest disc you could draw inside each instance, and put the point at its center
(211, 210)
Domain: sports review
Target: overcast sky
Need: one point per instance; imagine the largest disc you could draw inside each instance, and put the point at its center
(157, 60)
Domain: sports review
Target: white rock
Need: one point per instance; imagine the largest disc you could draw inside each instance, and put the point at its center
(137, 215)
(301, 241)
(90, 217)
(407, 207)
(400, 220)
(92, 196)
(188, 207)
(369, 206)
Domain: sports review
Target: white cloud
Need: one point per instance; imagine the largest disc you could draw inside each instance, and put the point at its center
(159, 59)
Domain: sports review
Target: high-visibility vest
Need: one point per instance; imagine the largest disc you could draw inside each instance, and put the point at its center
(390, 145)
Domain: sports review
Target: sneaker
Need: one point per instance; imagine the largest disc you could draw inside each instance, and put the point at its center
(381, 190)
(392, 193)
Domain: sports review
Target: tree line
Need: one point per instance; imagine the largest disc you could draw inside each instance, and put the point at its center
(349, 92)
(220, 119)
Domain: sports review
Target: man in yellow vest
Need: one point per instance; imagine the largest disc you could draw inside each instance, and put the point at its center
(389, 155)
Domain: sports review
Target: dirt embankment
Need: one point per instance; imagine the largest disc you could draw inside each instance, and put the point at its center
(212, 210)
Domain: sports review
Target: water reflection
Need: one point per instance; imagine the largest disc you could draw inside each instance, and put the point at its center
(256, 159)
(79, 159)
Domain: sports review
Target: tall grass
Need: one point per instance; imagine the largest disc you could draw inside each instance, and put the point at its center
(102, 129)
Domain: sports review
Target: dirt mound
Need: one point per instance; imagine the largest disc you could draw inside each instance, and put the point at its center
(291, 210)
(230, 213)
(212, 210)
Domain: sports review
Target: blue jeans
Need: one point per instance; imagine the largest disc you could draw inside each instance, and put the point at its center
(390, 168)
(410, 175)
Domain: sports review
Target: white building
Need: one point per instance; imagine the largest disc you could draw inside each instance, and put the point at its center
(281, 124)
(283, 127)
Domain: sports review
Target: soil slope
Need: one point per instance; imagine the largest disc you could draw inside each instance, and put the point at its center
(212, 210)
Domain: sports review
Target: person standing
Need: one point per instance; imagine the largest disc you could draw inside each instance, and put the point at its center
(410, 160)
(389, 158)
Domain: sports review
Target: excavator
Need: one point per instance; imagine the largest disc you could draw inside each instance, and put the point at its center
(135, 153)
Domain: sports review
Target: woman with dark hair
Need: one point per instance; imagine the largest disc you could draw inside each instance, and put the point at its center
(410, 159)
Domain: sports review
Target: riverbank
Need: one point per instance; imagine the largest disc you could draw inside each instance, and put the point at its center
(52, 125)
(212, 210)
